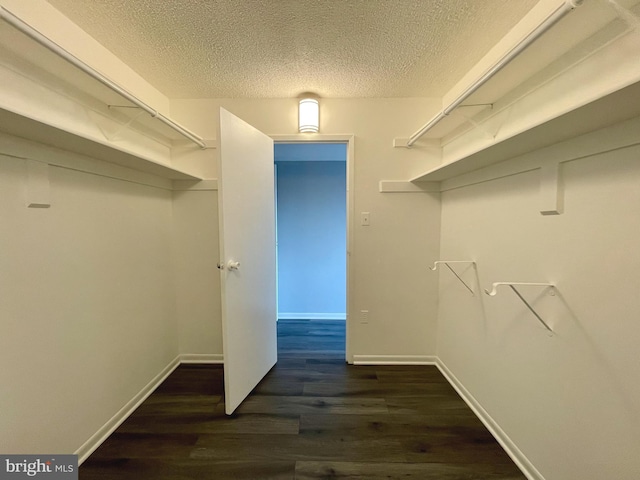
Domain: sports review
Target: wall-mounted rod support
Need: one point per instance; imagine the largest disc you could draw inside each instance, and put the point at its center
(512, 285)
(546, 24)
(49, 44)
(447, 262)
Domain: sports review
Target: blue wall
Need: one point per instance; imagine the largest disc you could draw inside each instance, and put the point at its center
(311, 222)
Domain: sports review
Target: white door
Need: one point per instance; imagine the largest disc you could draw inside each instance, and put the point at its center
(247, 256)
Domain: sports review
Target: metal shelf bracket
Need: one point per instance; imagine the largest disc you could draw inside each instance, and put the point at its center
(447, 262)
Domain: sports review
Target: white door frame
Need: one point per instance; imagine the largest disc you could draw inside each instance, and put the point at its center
(349, 141)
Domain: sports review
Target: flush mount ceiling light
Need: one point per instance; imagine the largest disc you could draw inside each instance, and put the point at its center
(308, 114)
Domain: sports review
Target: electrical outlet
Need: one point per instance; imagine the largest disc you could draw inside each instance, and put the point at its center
(364, 317)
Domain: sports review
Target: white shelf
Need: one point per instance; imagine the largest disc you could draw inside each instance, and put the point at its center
(47, 99)
(581, 75)
(31, 129)
(608, 110)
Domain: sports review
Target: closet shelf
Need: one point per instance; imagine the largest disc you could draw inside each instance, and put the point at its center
(548, 93)
(34, 130)
(32, 35)
(614, 108)
(53, 97)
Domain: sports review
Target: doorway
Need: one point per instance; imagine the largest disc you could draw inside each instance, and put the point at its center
(312, 238)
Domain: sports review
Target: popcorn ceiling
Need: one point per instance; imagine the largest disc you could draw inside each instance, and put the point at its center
(280, 48)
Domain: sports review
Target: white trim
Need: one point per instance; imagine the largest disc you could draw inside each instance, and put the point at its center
(494, 428)
(312, 316)
(500, 435)
(509, 446)
(24, 149)
(195, 185)
(394, 360)
(202, 358)
(114, 422)
(35, 152)
(349, 139)
(125, 412)
(617, 137)
(392, 186)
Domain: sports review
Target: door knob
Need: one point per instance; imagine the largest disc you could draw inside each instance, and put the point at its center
(233, 265)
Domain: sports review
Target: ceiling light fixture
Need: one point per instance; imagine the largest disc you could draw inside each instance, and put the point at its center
(308, 114)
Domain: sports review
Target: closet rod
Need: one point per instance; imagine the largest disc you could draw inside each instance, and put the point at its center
(550, 21)
(34, 34)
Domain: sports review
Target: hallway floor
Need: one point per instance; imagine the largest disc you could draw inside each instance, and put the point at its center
(312, 417)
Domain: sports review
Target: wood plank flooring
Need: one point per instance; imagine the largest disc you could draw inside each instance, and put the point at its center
(312, 417)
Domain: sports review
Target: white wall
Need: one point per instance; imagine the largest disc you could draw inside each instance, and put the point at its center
(86, 299)
(390, 257)
(569, 402)
(197, 279)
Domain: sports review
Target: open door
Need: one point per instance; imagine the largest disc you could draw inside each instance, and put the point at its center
(247, 256)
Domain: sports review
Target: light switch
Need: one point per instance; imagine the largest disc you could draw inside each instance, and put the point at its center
(365, 219)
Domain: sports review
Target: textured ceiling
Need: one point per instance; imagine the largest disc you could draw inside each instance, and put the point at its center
(281, 48)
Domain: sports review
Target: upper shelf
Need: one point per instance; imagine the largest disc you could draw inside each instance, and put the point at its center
(47, 98)
(608, 110)
(25, 127)
(554, 90)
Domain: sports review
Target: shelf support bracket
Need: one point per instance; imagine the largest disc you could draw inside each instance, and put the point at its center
(512, 285)
(447, 262)
(474, 123)
(114, 136)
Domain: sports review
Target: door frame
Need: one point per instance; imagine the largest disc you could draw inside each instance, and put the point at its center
(349, 141)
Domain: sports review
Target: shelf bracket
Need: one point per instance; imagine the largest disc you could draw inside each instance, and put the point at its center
(447, 262)
(512, 285)
(114, 136)
(474, 123)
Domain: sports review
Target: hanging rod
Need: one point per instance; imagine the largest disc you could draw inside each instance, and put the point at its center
(49, 44)
(512, 285)
(447, 262)
(566, 7)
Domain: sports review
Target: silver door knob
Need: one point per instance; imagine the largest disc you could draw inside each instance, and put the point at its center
(233, 265)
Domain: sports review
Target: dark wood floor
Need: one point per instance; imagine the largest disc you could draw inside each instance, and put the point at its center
(312, 417)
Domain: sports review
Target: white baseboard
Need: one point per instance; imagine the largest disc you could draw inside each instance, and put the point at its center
(394, 360)
(503, 439)
(204, 358)
(312, 316)
(108, 428)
